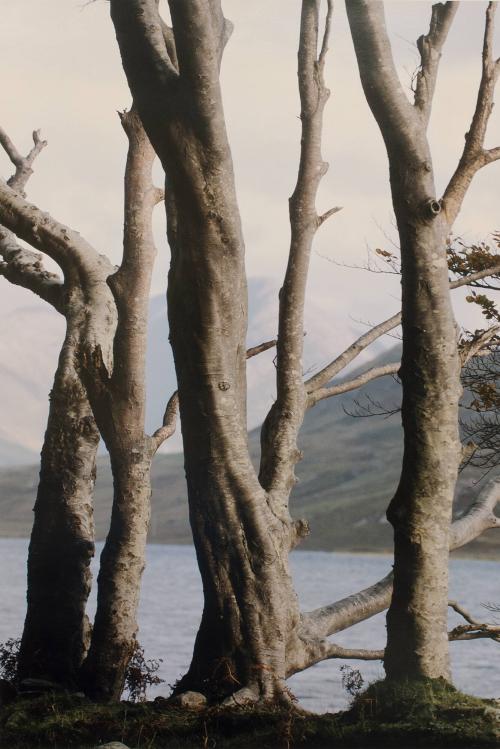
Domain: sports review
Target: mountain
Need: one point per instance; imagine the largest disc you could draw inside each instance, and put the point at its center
(31, 338)
(349, 472)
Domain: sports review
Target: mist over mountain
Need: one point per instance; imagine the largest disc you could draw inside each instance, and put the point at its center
(31, 339)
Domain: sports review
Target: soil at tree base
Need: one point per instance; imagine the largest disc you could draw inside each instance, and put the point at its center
(428, 715)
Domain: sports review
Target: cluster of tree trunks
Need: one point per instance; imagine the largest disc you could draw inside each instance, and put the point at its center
(252, 634)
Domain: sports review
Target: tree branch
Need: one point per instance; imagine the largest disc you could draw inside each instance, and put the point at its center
(279, 433)
(319, 650)
(475, 632)
(142, 42)
(64, 245)
(379, 78)
(430, 47)
(23, 267)
(132, 281)
(357, 382)
(346, 357)
(23, 164)
(168, 425)
(199, 63)
(325, 216)
(255, 350)
(460, 610)
(474, 156)
(476, 347)
(342, 614)
(351, 352)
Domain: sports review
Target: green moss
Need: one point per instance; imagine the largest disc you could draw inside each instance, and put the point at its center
(428, 711)
(425, 714)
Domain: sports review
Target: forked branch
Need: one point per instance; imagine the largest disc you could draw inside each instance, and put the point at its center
(474, 155)
(23, 164)
(430, 46)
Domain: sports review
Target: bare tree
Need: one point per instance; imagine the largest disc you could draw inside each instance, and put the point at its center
(421, 508)
(252, 634)
(104, 355)
(56, 632)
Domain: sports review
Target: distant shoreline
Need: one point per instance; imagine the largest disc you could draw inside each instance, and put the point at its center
(489, 555)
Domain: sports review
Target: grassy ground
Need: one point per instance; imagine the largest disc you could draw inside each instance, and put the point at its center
(429, 715)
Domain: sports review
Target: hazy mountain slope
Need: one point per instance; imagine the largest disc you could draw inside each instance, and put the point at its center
(30, 340)
(349, 472)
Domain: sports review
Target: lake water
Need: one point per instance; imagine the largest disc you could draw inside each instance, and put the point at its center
(171, 606)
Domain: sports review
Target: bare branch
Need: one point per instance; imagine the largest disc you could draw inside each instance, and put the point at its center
(325, 216)
(429, 47)
(143, 46)
(346, 357)
(255, 350)
(357, 382)
(472, 277)
(64, 245)
(463, 612)
(477, 346)
(355, 608)
(380, 79)
(23, 164)
(169, 423)
(199, 64)
(326, 34)
(475, 632)
(335, 651)
(23, 267)
(280, 429)
(479, 517)
(474, 156)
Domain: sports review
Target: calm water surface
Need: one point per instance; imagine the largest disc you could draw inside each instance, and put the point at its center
(171, 606)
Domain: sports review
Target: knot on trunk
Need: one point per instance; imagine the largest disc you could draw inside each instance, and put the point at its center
(300, 530)
(431, 208)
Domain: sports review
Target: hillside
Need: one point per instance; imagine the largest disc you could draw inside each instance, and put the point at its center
(349, 472)
(31, 337)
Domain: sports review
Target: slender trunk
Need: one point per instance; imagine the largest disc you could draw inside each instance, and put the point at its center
(119, 404)
(56, 630)
(121, 567)
(421, 509)
(420, 512)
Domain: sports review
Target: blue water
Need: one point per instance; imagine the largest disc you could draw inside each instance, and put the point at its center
(171, 606)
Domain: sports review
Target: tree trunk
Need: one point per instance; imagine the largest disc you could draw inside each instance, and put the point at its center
(420, 512)
(241, 544)
(242, 534)
(119, 404)
(421, 509)
(121, 567)
(56, 630)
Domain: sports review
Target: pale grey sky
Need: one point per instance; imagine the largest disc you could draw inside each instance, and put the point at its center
(60, 71)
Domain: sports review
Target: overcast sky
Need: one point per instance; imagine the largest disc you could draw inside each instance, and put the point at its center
(60, 71)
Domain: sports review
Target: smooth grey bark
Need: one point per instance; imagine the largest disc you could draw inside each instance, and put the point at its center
(56, 631)
(252, 634)
(241, 526)
(420, 511)
(109, 358)
(118, 400)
